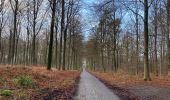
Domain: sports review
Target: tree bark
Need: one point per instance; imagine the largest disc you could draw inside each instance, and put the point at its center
(137, 40)
(146, 62)
(155, 35)
(168, 32)
(50, 51)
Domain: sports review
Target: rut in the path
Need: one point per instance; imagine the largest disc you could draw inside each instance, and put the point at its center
(90, 88)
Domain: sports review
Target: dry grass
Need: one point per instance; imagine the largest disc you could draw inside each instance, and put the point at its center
(42, 79)
(123, 79)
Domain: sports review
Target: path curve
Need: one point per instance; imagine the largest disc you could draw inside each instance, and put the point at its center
(90, 88)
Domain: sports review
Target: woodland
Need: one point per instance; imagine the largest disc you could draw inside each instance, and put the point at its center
(45, 45)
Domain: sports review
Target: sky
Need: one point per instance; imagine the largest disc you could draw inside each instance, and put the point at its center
(88, 17)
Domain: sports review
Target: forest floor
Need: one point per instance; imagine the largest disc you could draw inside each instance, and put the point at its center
(132, 87)
(37, 83)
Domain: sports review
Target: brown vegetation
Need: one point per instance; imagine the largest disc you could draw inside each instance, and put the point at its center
(125, 85)
(46, 84)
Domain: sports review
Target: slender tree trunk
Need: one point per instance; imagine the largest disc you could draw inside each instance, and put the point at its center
(1, 27)
(0, 44)
(168, 32)
(137, 39)
(114, 42)
(51, 35)
(155, 38)
(155, 42)
(16, 50)
(104, 69)
(27, 50)
(34, 34)
(33, 49)
(161, 55)
(64, 49)
(63, 32)
(69, 49)
(56, 43)
(61, 35)
(10, 46)
(14, 32)
(61, 50)
(146, 62)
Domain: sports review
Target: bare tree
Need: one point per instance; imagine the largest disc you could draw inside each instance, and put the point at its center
(36, 8)
(62, 34)
(50, 51)
(155, 35)
(15, 8)
(3, 21)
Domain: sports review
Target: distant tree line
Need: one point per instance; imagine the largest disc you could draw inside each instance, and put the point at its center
(132, 35)
(41, 32)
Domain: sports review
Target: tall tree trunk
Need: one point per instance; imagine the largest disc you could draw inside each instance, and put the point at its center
(114, 40)
(27, 46)
(10, 47)
(14, 32)
(62, 33)
(65, 38)
(0, 44)
(64, 49)
(69, 48)
(1, 27)
(34, 34)
(146, 62)
(137, 39)
(51, 35)
(155, 42)
(168, 32)
(56, 43)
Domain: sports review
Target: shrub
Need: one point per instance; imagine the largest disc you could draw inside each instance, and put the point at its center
(24, 80)
(6, 92)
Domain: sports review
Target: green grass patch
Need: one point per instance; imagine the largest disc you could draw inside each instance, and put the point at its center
(24, 80)
(6, 92)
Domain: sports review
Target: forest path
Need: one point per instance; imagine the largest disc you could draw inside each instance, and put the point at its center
(148, 92)
(90, 88)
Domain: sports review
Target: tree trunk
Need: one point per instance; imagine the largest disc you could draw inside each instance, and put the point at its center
(56, 43)
(34, 34)
(155, 45)
(63, 32)
(137, 40)
(61, 35)
(14, 32)
(51, 35)
(10, 46)
(146, 62)
(168, 32)
(0, 44)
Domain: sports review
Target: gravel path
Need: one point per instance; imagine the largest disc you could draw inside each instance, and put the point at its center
(90, 88)
(146, 92)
